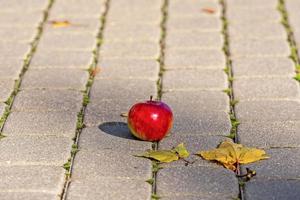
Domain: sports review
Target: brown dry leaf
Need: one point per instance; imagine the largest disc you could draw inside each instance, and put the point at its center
(95, 71)
(59, 24)
(208, 10)
(230, 154)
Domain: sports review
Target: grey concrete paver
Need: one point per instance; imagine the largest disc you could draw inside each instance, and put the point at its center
(204, 24)
(260, 88)
(27, 195)
(13, 5)
(108, 163)
(267, 66)
(6, 88)
(29, 19)
(23, 177)
(64, 79)
(128, 68)
(129, 90)
(268, 111)
(293, 15)
(195, 79)
(109, 188)
(272, 189)
(146, 50)
(67, 42)
(194, 39)
(257, 31)
(194, 58)
(10, 68)
(195, 180)
(2, 109)
(34, 150)
(61, 59)
(253, 4)
(50, 100)
(270, 134)
(200, 197)
(17, 34)
(14, 50)
(260, 48)
(199, 101)
(41, 123)
(114, 136)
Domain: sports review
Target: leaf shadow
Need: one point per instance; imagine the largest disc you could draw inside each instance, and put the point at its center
(117, 129)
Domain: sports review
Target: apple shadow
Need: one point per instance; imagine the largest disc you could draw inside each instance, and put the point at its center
(118, 129)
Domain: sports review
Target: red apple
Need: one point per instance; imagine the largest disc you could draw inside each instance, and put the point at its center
(150, 120)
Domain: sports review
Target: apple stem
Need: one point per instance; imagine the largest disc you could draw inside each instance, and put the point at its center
(151, 97)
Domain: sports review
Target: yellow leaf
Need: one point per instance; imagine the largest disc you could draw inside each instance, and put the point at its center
(60, 24)
(162, 156)
(230, 154)
(182, 151)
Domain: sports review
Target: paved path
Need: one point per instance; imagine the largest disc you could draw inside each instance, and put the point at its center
(213, 62)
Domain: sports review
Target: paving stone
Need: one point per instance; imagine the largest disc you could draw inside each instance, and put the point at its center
(17, 34)
(16, 51)
(77, 7)
(195, 180)
(10, 68)
(103, 111)
(256, 15)
(257, 31)
(61, 59)
(252, 3)
(144, 15)
(196, 101)
(123, 89)
(267, 66)
(35, 150)
(6, 88)
(268, 111)
(25, 5)
(194, 58)
(107, 189)
(191, 8)
(113, 136)
(194, 144)
(128, 68)
(130, 50)
(272, 189)
(200, 197)
(31, 19)
(188, 23)
(51, 100)
(109, 163)
(260, 48)
(55, 79)
(136, 32)
(32, 178)
(283, 163)
(260, 88)
(85, 41)
(195, 79)
(27, 195)
(41, 123)
(274, 134)
(194, 38)
(136, 5)
(201, 123)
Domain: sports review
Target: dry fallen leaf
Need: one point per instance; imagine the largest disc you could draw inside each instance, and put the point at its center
(208, 10)
(95, 71)
(231, 154)
(167, 156)
(59, 24)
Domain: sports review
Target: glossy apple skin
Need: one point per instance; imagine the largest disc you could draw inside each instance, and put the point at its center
(150, 121)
